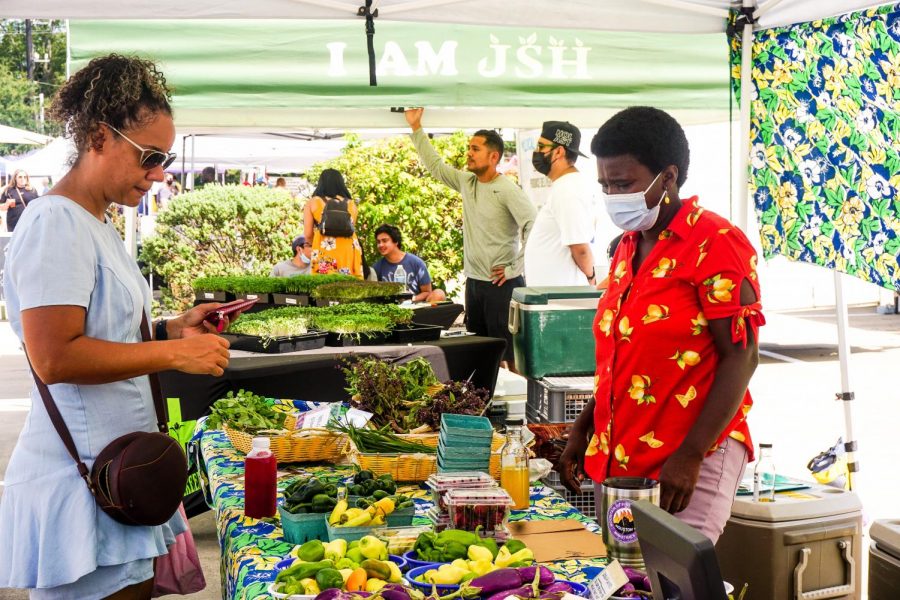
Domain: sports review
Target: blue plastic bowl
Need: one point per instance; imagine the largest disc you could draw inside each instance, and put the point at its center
(401, 562)
(578, 589)
(442, 589)
(412, 560)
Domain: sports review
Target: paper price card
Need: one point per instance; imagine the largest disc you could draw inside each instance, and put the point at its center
(608, 581)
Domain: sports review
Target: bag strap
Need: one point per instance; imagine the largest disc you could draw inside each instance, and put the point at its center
(60, 425)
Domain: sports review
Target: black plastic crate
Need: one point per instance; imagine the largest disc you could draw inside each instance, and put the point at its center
(415, 332)
(296, 343)
(583, 502)
(558, 399)
(342, 340)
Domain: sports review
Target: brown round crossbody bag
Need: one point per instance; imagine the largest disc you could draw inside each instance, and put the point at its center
(138, 478)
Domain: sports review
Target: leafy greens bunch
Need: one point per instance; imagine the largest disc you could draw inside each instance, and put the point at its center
(246, 412)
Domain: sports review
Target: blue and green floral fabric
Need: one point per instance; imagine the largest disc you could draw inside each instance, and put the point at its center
(252, 547)
(825, 137)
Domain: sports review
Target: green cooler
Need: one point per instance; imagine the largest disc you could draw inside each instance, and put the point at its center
(552, 330)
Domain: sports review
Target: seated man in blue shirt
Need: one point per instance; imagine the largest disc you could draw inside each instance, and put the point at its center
(397, 265)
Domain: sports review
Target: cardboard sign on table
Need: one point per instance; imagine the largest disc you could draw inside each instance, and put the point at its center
(558, 540)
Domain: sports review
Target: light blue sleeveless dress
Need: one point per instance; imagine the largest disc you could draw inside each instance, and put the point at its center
(54, 537)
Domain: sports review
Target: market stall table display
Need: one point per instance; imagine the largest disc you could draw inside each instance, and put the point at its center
(251, 548)
(314, 376)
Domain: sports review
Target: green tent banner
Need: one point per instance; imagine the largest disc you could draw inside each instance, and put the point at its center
(284, 65)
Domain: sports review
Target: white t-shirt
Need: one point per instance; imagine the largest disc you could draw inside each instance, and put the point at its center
(566, 218)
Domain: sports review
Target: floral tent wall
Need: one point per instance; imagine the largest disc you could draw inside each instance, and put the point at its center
(825, 136)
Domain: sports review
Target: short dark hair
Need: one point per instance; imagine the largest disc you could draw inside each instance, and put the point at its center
(571, 156)
(392, 232)
(492, 140)
(208, 174)
(298, 243)
(648, 134)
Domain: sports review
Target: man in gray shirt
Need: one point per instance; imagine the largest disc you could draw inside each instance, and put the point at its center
(299, 264)
(497, 216)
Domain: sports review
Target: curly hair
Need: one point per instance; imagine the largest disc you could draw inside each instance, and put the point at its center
(650, 135)
(123, 91)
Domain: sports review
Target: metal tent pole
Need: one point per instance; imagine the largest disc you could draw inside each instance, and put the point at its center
(845, 395)
(741, 213)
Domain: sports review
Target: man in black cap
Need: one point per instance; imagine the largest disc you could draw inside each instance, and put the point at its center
(299, 265)
(558, 252)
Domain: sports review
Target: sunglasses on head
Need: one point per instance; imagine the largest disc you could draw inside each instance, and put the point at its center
(150, 159)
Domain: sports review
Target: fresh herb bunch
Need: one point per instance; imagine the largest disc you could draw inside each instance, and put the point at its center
(246, 412)
(304, 284)
(247, 284)
(388, 391)
(380, 440)
(273, 323)
(456, 397)
(356, 291)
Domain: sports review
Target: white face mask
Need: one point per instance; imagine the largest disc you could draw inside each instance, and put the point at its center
(305, 259)
(629, 212)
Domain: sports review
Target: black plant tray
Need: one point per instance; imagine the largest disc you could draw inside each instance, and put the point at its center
(265, 298)
(415, 332)
(294, 343)
(396, 299)
(213, 296)
(290, 299)
(341, 340)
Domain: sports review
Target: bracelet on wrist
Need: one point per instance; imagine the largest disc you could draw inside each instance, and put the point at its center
(593, 274)
(161, 334)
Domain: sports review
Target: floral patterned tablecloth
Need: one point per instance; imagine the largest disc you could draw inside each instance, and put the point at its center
(252, 547)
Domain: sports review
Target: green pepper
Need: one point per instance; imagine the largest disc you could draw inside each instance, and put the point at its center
(302, 570)
(322, 503)
(376, 569)
(466, 538)
(312, 551)
(453, 550)
(390, 487)
(363, 476)
(491, 545)
(329, 579)
(311, 490)
(355, 490)
(404, 504)
(379, 494)
(362, 503)
(512, 545)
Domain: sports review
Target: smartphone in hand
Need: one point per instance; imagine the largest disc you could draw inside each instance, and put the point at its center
(229, 309)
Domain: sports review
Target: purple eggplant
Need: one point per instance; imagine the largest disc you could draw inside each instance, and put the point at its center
(525, 591)
(527, 575)
(557, 587)
(336, 594)
(499, 581)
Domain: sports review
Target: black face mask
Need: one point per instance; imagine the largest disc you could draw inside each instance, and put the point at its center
(541, 162)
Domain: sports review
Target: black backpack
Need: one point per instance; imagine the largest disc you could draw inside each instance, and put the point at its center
(336, 218)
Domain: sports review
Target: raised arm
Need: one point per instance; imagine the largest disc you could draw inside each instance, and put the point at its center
(427, 154)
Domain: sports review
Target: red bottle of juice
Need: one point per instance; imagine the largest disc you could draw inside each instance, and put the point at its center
(260, 480)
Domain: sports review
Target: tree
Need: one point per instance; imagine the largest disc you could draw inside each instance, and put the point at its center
(19, 97)
(393, 187)
(220, 230)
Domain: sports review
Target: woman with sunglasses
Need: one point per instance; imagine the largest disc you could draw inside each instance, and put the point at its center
(76, 299)
(15, 197)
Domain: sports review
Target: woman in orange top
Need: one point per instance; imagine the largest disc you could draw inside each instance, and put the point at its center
(676, 332)
(332, 253)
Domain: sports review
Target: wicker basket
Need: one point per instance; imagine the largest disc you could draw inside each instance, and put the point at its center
(402, 467)
(304, 445)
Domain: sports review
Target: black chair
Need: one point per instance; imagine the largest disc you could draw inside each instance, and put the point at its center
(681, 562)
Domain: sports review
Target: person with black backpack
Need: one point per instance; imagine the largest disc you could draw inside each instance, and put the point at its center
(329, 220)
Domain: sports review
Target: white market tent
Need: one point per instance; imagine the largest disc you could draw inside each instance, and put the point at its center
(653, 18)
(14, 135)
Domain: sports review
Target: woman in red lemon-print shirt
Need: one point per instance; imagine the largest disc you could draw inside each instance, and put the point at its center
(676, 332)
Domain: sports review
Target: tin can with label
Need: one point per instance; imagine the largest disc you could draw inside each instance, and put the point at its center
(617, 520)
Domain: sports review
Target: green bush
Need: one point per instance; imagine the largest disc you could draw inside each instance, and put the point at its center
(393, 187)
(220, 231)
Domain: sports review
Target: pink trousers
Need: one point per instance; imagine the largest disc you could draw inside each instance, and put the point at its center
(710, 507)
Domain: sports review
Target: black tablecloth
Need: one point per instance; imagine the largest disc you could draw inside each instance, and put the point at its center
(316, 377)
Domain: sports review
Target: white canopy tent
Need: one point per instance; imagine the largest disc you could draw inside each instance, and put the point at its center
(650, 16)
(14, 135)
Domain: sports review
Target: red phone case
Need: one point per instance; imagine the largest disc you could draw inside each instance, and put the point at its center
(217, 317)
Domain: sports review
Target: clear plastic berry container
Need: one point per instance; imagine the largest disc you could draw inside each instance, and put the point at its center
(486, 508)
(441, 483)
(400, 540)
